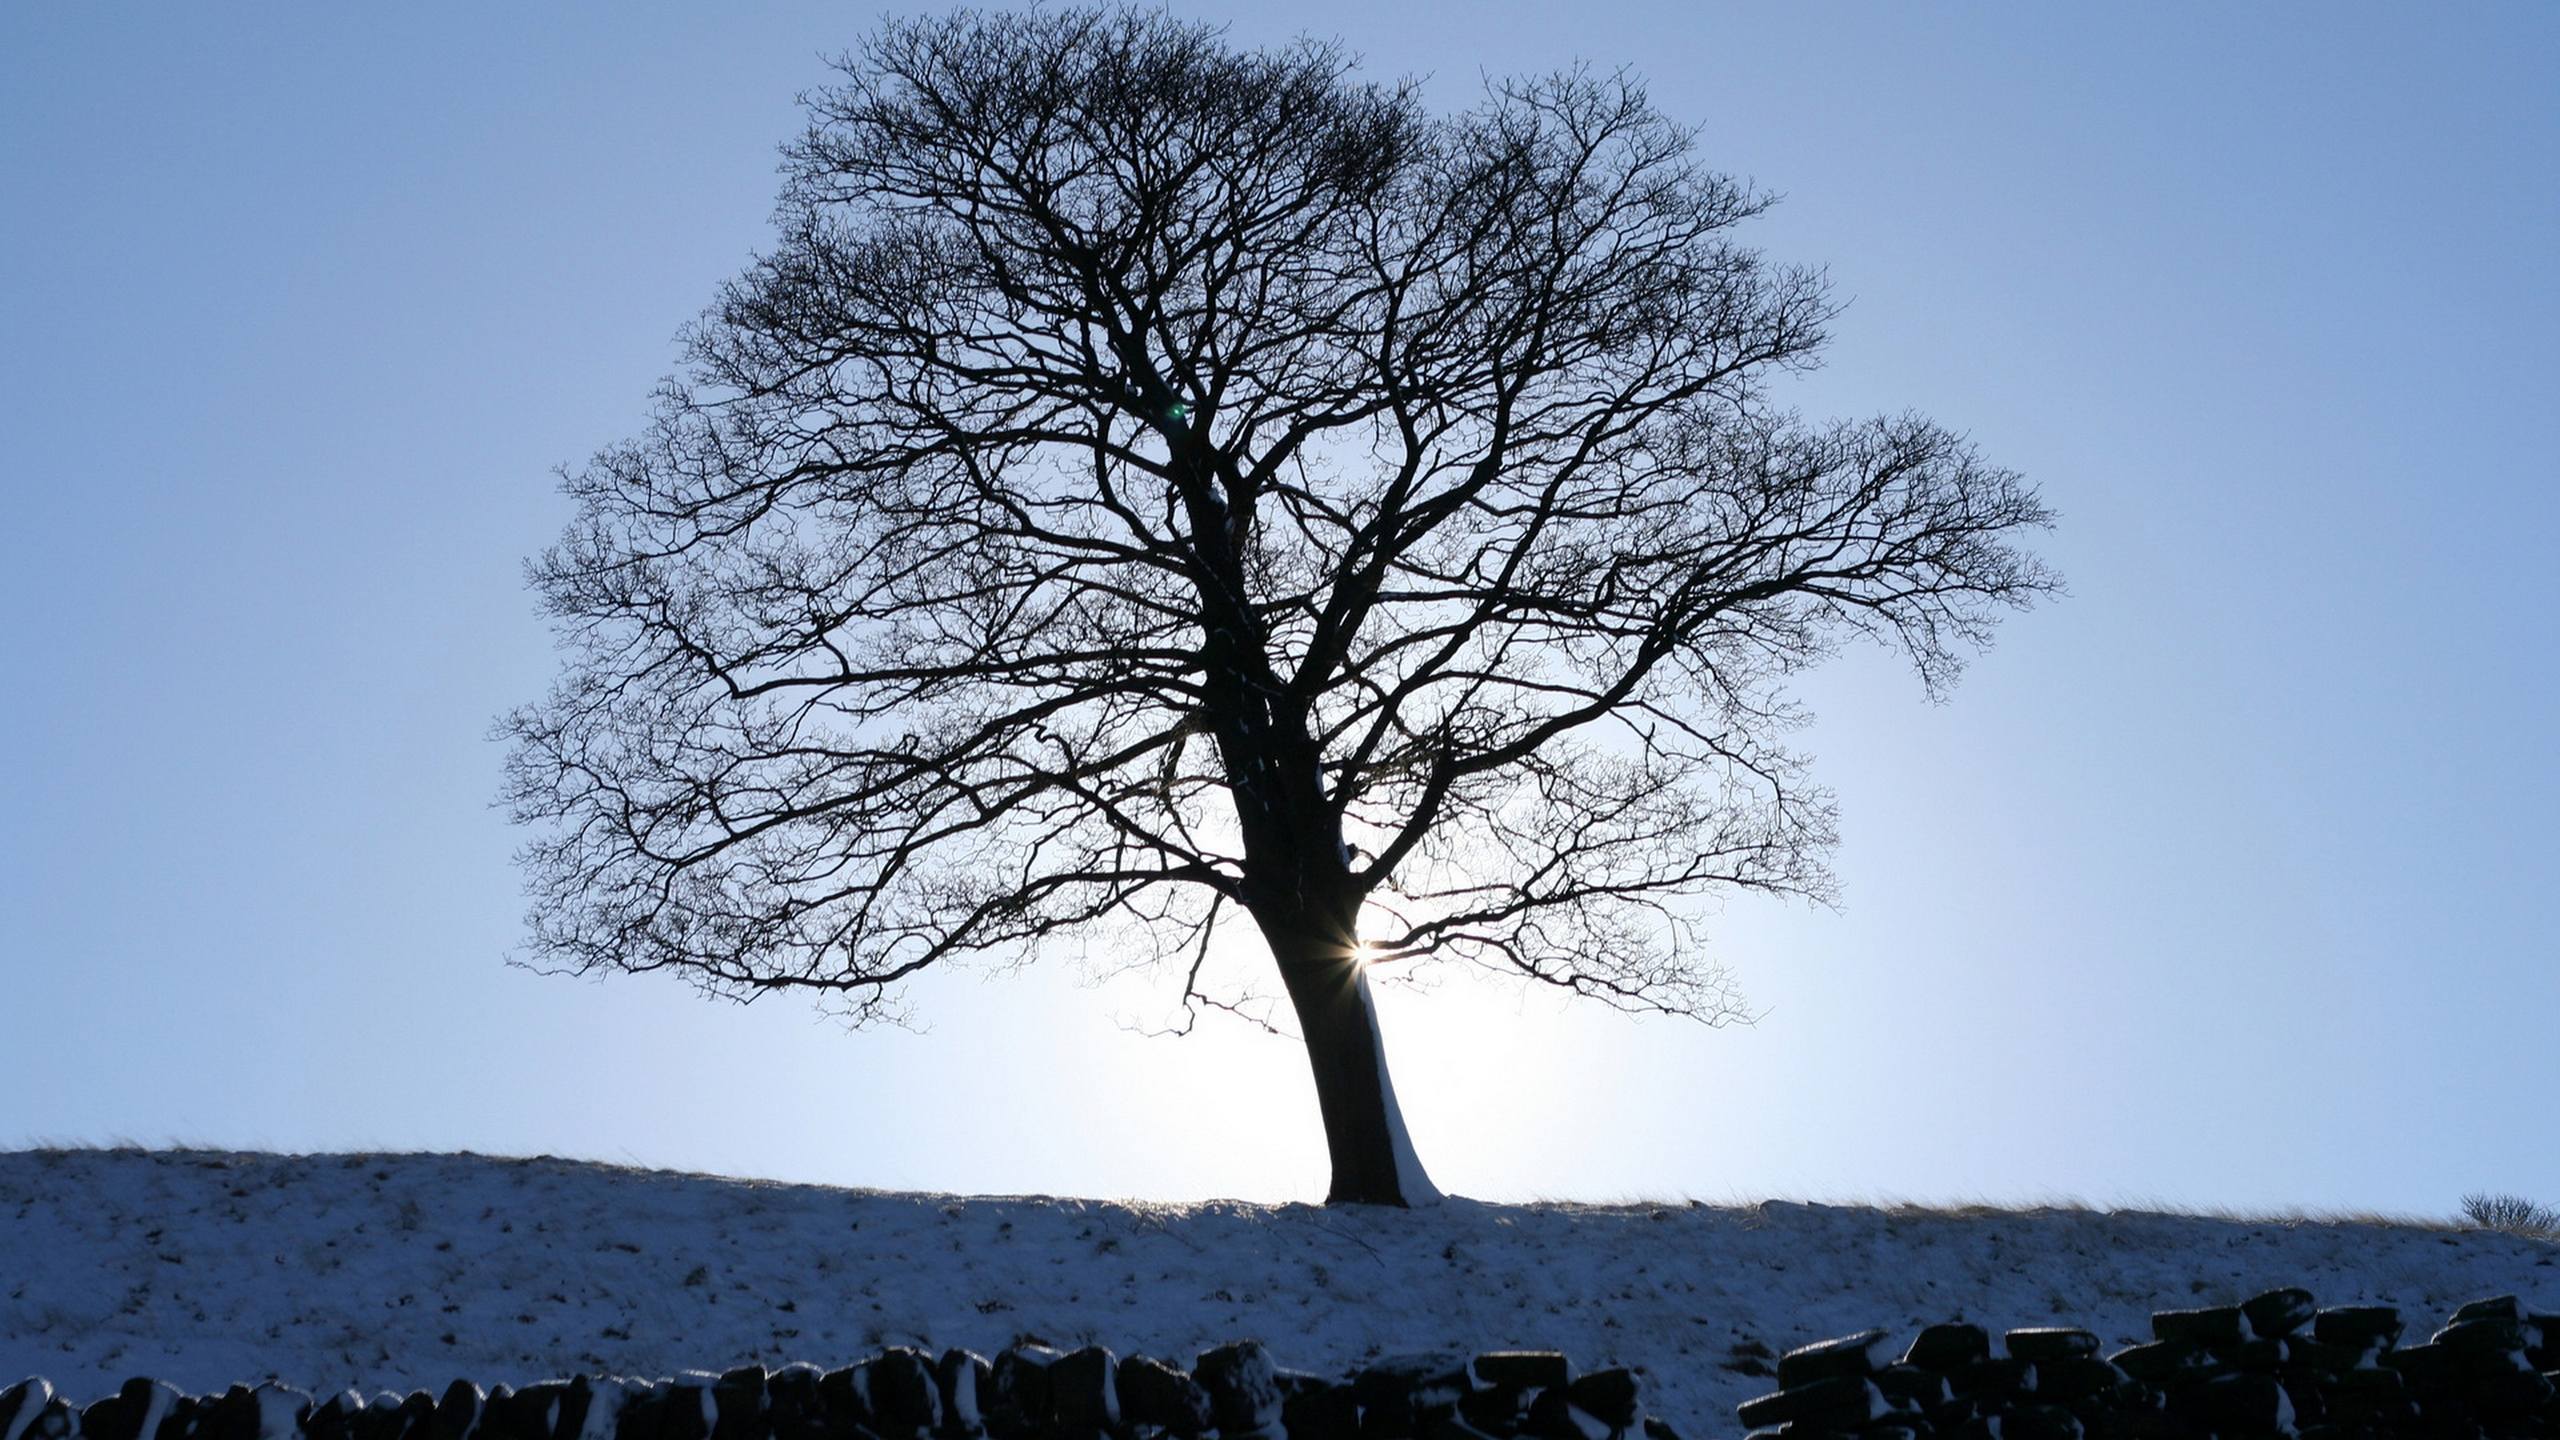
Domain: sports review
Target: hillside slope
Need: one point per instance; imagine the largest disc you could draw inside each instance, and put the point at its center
(402, 1271)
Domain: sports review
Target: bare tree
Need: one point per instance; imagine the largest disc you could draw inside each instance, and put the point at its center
(1148, 480)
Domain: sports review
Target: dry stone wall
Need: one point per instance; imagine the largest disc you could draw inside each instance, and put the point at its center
(1028, 1392)
(2277, 1366)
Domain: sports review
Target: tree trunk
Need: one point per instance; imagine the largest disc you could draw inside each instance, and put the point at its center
(1373, 1158)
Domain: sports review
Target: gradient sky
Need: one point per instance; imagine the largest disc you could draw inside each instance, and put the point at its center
(2228, 879)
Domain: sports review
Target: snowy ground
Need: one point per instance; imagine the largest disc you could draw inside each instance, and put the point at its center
(402, 1271)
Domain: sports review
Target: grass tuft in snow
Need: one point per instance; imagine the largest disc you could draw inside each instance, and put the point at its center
(2512, 1215)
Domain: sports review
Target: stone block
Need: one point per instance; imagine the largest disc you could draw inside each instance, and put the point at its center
(1842, 1355)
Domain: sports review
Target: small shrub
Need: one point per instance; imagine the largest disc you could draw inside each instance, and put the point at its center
(2513, 1214)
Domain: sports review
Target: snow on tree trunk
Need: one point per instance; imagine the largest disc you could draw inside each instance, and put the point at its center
(1411, 1180)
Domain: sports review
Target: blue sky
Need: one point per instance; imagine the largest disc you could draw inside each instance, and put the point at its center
(2225, 880)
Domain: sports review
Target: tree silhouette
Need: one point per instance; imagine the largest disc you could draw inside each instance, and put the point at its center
(1149, 480)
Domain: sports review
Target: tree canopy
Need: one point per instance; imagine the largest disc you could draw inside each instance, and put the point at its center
(1147, 480)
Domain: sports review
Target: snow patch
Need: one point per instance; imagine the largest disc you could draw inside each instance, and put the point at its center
(553, 1265)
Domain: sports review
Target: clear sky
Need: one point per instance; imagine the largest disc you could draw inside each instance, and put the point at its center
(2226, 880)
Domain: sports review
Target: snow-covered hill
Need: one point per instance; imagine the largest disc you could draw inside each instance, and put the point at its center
(404, 1271)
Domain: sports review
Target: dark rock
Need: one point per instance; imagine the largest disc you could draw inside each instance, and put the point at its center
(598, 1400)
(2496, 1334)
(643, 1415)
(1439, 1379)
(232, 1415)
(22, 1402)
(1154, 1393)
(2216, 1328)
(2309, 1396)
(682, 1409)
(134, 1412)
(382, 1418)
(1396, 1393)
(1948, 1348)
(1377, 1422)
(1243, 1386)
(737, 1400)
(2254, 1404)
(418, 1414)
(2507, 1392)
(1995, 1376)
(1527, 1369)
(458, 1411)
(2279, 1313)
(2370, 1397)
(2357, 1327)
(1326, 1412)
(904, 1395)
(1084, 1392)
(2510, 1394)
(2158, 1362)
(795, 1406)
(2496, 1307)
(1551, 1416)
(1912, 1387)
(1844, 1355)
(2051, 1342)
(1496, 1409)
(1845, 1401)
(1895, 1430)
(1656, 1429)
(1445, 1423)
(500, 1418)
(2078, 1380)
(500, 1397)
(2384, 1383)
(554, 1409)
(56, 1419)
(845, 1400)
(2318, 1356)
(1015, 1401)
(331, 1418)
(177, 1419)
(2266, 1355)
(2427, 1369)
(1610, 1396)
(961, 1376)
(2039, 1422)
